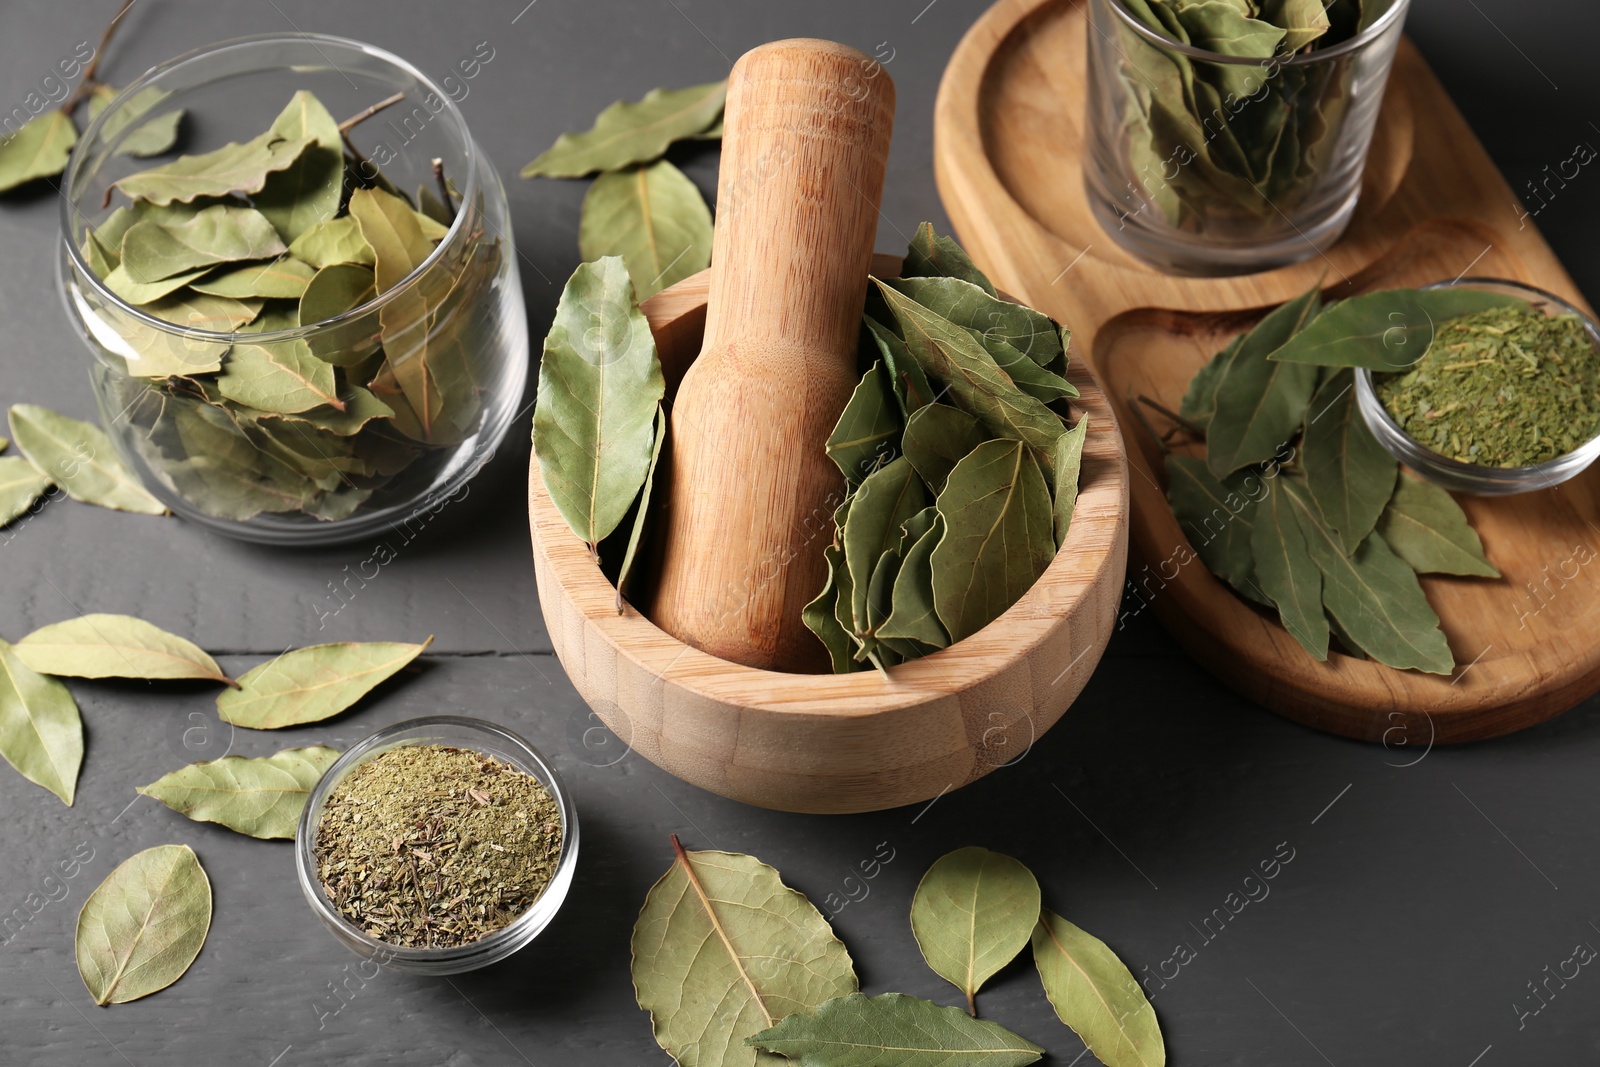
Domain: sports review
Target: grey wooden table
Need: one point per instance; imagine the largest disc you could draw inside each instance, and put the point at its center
(1422, 896)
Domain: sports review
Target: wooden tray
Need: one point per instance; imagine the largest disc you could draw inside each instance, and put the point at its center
(1007, 140)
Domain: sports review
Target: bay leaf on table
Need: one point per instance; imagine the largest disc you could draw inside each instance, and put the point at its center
(967, 304)
(641, 518)
(868, 429)
(1427, 528)
(307, 191)
(932, 255)
(234, 168)
(911, 387)
(1218, 517)
(1373, 595)
(886, 499)
(1094, 993)
(892, 1028)
(1349, 473)
(1066, 469)
(1385, 331)
(20, 485)
(115, 646)
(154, 250)
(79, 457)
(938, 437)
(654, 218)
(333, 241)
(40, 149)
(41, 732)
(998, 536)
(627, 133)
(144, 925)
(821, 618)
(913, 622)
(1260, 404)
(284, 377)
(973, 911)
(258, 797)
(390, 226)
(152, 136)
(284, 278)
(599, 384)
(1286, 573)
(311, 684)
(119, 281)
(722, 950)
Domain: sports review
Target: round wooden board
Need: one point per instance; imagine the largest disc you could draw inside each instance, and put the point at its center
(840, 743)
(1008, 135)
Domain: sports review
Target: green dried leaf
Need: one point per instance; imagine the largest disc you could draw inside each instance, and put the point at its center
(119, 281)
(1349, 474)
(911, 388)
(258, 797)
(233, 168)
(399, 246)
(1427, 528)
(39, 150)
(722, 950)
(868, 430)
(224, 472)
(967, 304)
(860, 1031)
(152, 137)
(599, 384)
(306, 192)
(1094, 993)
(654, 218)
(144, 925)
(914, 617)
(822, 617)
(154, 250)
(973, 911)
(1304, 20)
(1286, 572)
(1200, 399)
(115, 646)
(284, 377)
(41, 733)
(642, 516)
(161, 354)
(1066, 468)
(286, 278)
(20, 485)
(933, 256)
(1385, 331)
(887, 499)
(938, 437)
(336, 289)
(311, 684)
(1261, 404)
(628, 133)
(333, 241)
(998, 540)
(79, 457)
(1217, 517)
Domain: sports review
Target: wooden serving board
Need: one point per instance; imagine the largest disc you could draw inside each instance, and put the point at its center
(1008, 138)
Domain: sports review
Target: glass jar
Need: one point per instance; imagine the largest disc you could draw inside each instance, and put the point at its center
(1204, 163)
(1472, 477)
(456, 732)
(445, 350)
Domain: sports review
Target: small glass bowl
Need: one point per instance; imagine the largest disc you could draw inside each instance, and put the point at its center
(1472, 477)
(456, 731)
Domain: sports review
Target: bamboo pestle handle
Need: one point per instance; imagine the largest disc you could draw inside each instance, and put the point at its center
(750, 489)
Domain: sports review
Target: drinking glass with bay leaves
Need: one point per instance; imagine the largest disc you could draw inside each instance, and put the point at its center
(304, 314)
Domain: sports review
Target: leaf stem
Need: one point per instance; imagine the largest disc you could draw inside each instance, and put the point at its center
(366, 113)
(1188, 424)
(444, 189)
(91, 72)
(1139, 415)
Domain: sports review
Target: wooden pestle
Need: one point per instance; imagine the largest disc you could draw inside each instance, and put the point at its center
(750, 489)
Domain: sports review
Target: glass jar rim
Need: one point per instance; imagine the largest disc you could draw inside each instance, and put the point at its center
(91, 136)
(1360, 40)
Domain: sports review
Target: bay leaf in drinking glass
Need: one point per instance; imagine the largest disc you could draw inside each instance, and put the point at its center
(307, 191)
(333, 241)
(390, 226)
(154, 250)
(284, 278)
(283, 377)
(234, 168)
(333, 291)
(120, 282)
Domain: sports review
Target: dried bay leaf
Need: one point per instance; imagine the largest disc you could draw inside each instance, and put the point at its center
(973, 911)
(913, 616)
(151, 137)
(1066, 467)
(284, 377)
(1303, 20)
(40, 149)
(1427, 528)
(651, 216)
(154, 250)
(641, 517)
(861, 1031)
(115, 646)
(41, 732)
(390, 226)
(822, 618)
(868, 429)
(285, 278)
(1286, 572)
(1348, 472)
(886, 500)
(1261, 404)
(311, 684)
(119, 281)
(144, 925)
(932, 255)
(938, 437)
(599, 384)
(967, 304)
(1200, 398)
(258, 797)
(336, 289)
(627, 133)
(223, 471)
(333, 241)
(1093, 992)
(1218, 517)
(20, 485)
(79, 457)
(1387, 330)
(911, 388)
(360, 408)
(233, 168)
(722, 950)
(998, 536)
(307, 191)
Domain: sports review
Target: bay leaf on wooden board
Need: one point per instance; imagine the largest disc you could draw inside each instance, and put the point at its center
(115, 646)
(144, 925)
(937, 437)
(258, 797)
(1374, 595)
(998, 536)
(887, 498)
(651, 216)
(599, 384)
(1427, 528)
(967, 304)
(1200, 398)
(40, 149)
(311, 684)
(626, 133)
(822, 619)
(913, 617)
(911, 388)
(1286, 573)
(283, 377)
(641, 516)
(1093, 992)
(234, 168)
(119, 281)
(868, 429)
(1066, 468)
(41, 732)
(1259, 407)
(20, 485)
(1217, 516)
(892, 1028)
(932, 255)
(285, 278)
(972, 912)
(390, 226)
(307, 191)
(79, 457)
(148, 136)
(1387, 330)
(722, 950)
(333, 241)
(1349, 473)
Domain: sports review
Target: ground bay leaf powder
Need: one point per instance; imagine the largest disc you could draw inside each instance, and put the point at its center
(428, 846)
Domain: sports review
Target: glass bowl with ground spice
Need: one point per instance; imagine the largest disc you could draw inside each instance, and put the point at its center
(1504, 400)
(437, 846)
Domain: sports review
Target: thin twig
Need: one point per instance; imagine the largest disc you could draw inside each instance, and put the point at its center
(1138, 414)
(91, 72)
(1188, 424)
(444, 188)
(362, 116)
